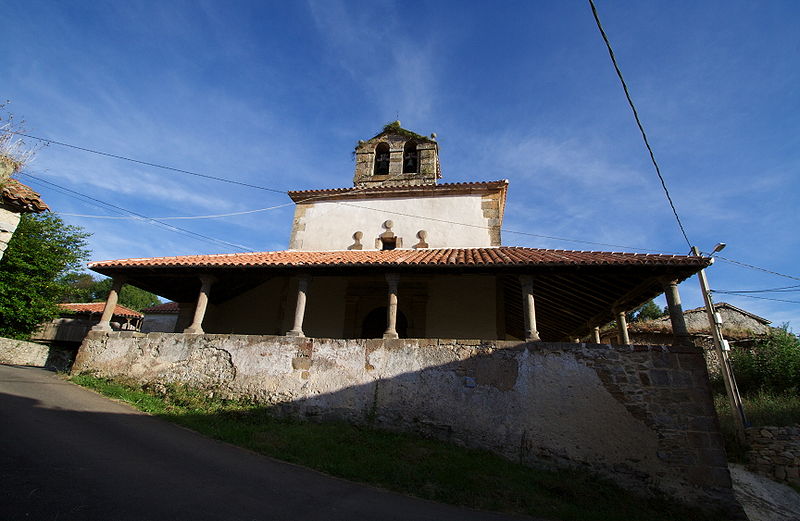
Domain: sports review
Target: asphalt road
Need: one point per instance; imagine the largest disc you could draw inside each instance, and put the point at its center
(68, 454)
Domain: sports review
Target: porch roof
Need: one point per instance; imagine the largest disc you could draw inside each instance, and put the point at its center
(503, 256)
(574, 290)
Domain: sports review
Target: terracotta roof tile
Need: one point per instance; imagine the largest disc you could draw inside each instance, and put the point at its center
(301, 195)
(22, 197)
(97, 307)
(167, 307)
(500, 256)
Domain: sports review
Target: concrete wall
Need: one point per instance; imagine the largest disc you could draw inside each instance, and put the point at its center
(9, 220)
(642, 416)
(328, 225)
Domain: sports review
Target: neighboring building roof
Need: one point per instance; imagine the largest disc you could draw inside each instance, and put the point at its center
(299, 196)
(97, 307)
(22, 197)
(725, 305)
(166, 308)
(445, 257)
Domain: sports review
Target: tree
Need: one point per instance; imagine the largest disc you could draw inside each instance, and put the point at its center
(40, 252)
(132, 297)
(772, 365)
(648, 311)
(83, 287)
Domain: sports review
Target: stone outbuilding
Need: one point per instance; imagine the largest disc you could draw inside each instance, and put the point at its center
(161, 318)
(78, 318)
(401, 255)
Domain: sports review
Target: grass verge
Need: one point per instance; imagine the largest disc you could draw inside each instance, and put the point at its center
(401, 462)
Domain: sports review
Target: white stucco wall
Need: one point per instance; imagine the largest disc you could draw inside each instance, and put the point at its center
(328, 225)
(8, 223)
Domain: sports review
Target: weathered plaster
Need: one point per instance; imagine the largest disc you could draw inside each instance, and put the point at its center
(642, 416)
(9, 220)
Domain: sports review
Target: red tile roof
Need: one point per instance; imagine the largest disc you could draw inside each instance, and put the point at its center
(301, 195)
(167, 307)
(97, 307)
(22, 197)
(476, 257)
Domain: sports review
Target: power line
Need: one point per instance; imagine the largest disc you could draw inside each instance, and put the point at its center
(352, 192)
(638, 121)
(752, 267)
(166, 225)
(786, 289)
(173, 218)
(146, 163)
(760, 298)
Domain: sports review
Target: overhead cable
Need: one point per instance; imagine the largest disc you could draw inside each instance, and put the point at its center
(760, 298)
(146, 163)
(638, 121)
(752, 267)
(144, 217)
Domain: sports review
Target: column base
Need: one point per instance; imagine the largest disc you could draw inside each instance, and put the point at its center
(391, 334)
(102, 327)
(294, 332)
(193, 331)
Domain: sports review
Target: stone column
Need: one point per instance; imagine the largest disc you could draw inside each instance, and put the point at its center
(196, 328)
(111, 305)
(622, 329)
(679, 331)
(391, 310)
(529, 309)
(300, 309)
(596, 332)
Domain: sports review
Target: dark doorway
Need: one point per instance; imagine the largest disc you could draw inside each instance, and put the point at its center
(374, 324)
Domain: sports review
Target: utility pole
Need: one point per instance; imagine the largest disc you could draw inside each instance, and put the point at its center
(721, 348)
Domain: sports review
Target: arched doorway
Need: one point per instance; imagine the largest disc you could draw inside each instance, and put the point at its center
(374, 324)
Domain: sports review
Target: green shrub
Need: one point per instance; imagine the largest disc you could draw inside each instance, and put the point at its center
(771, 366)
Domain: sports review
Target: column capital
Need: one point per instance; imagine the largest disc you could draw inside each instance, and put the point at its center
(119, 279)
(207, 279)
(393, 278)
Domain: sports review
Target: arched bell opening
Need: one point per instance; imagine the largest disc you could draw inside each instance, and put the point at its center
(410, 158)
(381, 159)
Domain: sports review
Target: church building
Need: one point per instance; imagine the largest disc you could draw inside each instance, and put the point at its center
(400, 254)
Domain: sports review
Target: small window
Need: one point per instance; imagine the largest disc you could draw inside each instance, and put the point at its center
(410, 158)
(382, 159)
(388, 243)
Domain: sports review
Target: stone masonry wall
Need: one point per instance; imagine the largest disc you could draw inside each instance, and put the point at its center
(642, 416)
(775, 453)
(19, 352)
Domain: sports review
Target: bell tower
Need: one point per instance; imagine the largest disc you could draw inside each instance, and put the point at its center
(397, 157)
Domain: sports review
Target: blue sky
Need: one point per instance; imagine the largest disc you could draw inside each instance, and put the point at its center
(277, 94)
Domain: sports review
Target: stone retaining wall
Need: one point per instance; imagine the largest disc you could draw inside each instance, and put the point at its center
(642, 416)
(20, 352)
(775, 453)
